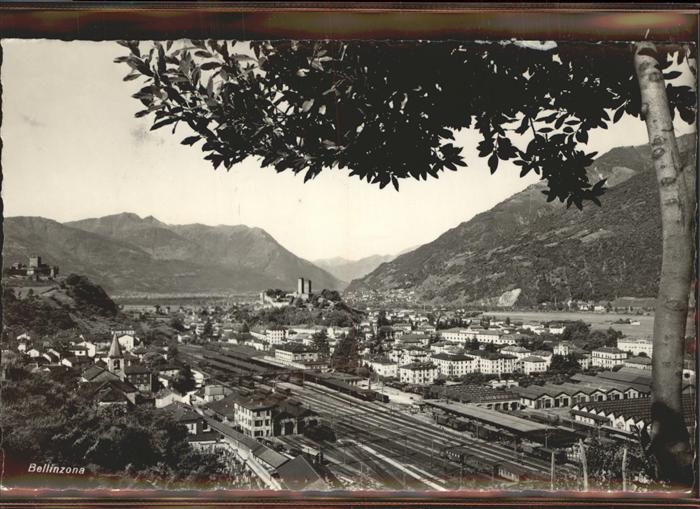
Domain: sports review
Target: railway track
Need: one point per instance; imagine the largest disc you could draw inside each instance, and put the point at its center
(372, 417)
(414, 444)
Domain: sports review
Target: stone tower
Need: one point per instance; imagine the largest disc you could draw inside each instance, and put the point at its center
(115, 359)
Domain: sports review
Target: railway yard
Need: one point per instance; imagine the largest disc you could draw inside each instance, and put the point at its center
(376, 444)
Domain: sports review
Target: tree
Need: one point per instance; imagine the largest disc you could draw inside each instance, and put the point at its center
(207, 330)
(177, 323)
(304, 106)
(320, 343)
(670, 442)
(577, 331)
(184, 382)
(139, 444)
(564, 364)
(345, 356)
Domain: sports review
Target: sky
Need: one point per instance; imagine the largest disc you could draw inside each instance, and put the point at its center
(72, 149)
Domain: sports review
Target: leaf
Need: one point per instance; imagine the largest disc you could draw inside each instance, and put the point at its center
(131, 76)
(493, 163)
(240, 57)
(523, 125)
(671, 75)
(190, 140)
(395, 182)
(162, 123)
(309, 175)
(618, 113)
(208, 66)
(582, 136)
(649, 52)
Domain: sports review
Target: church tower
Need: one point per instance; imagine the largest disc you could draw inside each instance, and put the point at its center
(115, 359)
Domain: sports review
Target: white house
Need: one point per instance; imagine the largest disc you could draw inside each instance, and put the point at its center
(495, 363)
(418, 373)
(607, 357)
(636, 346)
(273, 336)
(383, 367)
(518, 351)
(455, 364)
(563, 348)
(127, 342)
(532, 364)
(456, 335)
(294, 352)
(91, 347)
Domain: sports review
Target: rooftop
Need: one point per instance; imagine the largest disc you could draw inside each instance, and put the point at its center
(452, 357)
(419, 366)
(500, 419)
(532, 358)
(298, 474)
(638, 409)
(642, 361)
(608, 349)
(181, 412)
(136, 369)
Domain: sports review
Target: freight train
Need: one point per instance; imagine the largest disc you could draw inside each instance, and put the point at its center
(473, 463)
(344, 388)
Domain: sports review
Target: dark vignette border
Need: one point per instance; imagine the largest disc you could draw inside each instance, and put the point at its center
(344, 20)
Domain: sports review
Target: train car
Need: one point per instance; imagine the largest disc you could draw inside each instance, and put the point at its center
(510, 471)
(442, 419)
(456, 454)
(470, 462)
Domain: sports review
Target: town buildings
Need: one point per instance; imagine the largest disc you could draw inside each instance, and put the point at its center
(455, 365)
(532, 364)
(607, 357)
(384, 367)
(294, 353)
(418, 373)
(636, 346)
(261, 413)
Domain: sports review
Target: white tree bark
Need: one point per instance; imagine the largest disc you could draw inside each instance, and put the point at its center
(669, 437)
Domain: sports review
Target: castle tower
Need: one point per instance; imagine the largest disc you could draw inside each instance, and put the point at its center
(34, 261)
(115, 359)
(307, 289)
(300, 286)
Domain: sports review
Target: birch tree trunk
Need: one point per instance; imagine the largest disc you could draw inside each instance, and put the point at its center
(669, 438)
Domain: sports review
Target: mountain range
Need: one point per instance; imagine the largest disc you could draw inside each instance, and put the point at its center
(347, 270)
(526, 251)
(523, 251)
(127, 254)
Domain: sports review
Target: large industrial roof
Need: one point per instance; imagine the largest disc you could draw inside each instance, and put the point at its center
(499, 419)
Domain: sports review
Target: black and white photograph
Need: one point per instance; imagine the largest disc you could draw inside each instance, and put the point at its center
(349, 266)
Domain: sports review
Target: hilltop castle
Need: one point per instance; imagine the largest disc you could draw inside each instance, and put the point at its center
(303, 288)
(35, 270)
(279, 298)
